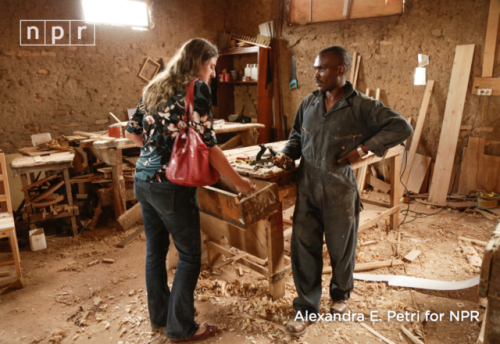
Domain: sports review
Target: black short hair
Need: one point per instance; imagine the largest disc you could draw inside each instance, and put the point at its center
(341, 52)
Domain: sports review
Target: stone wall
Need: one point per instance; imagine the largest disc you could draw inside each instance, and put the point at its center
(63, 89)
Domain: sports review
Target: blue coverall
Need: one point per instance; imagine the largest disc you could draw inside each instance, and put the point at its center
(328, 200)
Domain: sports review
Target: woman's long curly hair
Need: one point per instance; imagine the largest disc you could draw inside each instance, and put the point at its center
(182, 68)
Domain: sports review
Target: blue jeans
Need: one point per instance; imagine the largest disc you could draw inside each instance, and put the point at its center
(168, 208)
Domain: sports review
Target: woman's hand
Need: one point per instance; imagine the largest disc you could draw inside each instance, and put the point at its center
(245, 186)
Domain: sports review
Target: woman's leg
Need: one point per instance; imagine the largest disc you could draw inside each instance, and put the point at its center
(177, 207)
(157, 243)
(187, 239)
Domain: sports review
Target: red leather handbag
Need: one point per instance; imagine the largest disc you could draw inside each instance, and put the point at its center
(189, 163)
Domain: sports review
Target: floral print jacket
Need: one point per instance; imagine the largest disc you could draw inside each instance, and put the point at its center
(161, 126)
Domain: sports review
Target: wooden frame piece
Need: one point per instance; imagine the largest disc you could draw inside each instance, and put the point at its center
(452, 120)
(417, 133)
(490, 44)
(144, 77)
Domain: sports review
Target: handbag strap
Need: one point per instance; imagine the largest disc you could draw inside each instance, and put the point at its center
(189, 100)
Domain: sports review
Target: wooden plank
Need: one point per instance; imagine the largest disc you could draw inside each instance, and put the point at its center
(252, 240)
(452, 205)
(356, 73)
(395, 184)
(375, 8)
(417, 134)
(414, 339)
(479, 168)
(48, 192)
(275, 254)
(69, 197)
(420, 168)
(245, 261)
(27, 161)
(370, 266)
(474, 241)
(5, 182)
(451, 123)
(230, 260)
(412, 255)
(131, 217)
(472, 256)
(377, 203)
(373, 222)
(361, 179)
(354, 60)
(233, 142)
(491, 39)
(491, 83)
(131, 237)
(376, 334)
(241, 212)
(40, 182)
(264, 105)
(308, 11)
(378, 184)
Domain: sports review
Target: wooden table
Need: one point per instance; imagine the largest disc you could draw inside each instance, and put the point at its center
(109, 150)
(24, 165)
(263, 241)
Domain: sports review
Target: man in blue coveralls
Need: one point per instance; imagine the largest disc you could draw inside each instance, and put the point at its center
(334, 127)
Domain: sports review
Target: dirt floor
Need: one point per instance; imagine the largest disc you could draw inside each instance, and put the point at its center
(69, 301)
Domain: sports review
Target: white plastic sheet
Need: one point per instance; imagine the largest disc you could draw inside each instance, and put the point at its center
(419, 283)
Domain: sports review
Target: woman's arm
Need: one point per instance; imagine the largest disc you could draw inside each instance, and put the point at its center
(137, 139)
(219, 161)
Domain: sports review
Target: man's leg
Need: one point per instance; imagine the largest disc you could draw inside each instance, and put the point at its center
(307, 255)
(341, 227)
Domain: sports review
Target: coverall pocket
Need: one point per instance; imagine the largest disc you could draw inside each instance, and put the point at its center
(162, 200)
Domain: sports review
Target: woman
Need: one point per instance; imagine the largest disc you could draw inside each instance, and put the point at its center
(168, 208)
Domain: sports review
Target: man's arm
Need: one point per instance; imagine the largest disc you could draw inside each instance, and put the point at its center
(293, 148)
(391, 128)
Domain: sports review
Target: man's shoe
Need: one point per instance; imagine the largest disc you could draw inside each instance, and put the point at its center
(339, 306)
(296, 328)
(209, 332)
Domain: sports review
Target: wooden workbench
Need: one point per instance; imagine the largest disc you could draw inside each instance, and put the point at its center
(24, 165)
(109, 150)
(263, 240)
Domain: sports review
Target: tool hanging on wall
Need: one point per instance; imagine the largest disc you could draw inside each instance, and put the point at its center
(293, 76)
(260, 40)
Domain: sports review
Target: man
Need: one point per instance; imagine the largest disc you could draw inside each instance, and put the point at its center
(334, 127)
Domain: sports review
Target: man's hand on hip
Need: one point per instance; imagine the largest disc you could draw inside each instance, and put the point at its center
(353, 155)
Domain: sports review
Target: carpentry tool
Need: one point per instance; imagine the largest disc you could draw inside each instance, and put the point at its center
(293, 76)
(258, 158)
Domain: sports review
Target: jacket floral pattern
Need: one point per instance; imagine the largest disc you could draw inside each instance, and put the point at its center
(161, 125)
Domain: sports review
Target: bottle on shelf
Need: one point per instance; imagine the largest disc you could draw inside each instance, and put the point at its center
(255, 72)
(248, 70)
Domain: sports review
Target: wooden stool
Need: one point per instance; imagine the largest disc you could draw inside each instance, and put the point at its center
(7, 227)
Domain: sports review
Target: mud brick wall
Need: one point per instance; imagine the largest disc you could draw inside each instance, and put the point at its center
(63, 89)
(389, 47)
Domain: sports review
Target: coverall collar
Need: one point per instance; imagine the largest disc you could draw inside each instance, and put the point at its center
(340, 104)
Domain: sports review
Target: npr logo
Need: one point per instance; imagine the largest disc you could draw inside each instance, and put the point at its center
(56, 33)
